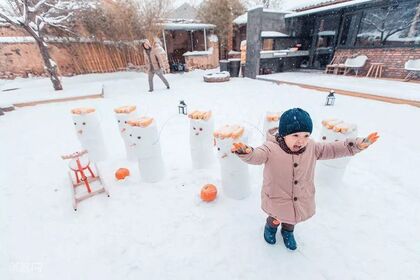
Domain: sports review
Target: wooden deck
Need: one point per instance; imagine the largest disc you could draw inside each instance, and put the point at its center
(346, 92)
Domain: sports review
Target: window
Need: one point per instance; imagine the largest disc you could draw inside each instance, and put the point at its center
(268, 44)
(349, 22)
(393, 25)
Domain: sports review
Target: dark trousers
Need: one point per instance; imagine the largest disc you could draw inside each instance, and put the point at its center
(159, 73)
(274, 223)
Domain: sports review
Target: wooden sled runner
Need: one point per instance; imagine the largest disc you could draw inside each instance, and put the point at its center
(82, 174)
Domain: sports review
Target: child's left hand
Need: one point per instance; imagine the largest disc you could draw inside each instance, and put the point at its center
(369, 140)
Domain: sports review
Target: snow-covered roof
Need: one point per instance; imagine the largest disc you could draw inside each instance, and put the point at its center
(242, 19)
(304, 4)
(272, 34)
(328, 8)
(188, 26)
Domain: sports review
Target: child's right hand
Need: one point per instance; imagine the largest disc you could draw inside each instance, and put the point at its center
(240, 149)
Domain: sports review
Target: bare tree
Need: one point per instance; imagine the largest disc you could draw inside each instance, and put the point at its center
(117, 21)
(153, 14)
(391, 20)
(275, 4)
(36, 16)
(221, 13)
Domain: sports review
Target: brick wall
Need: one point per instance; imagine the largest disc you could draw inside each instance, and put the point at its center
(394, 59)
(204, 61)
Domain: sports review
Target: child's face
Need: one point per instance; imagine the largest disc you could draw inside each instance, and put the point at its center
(296, 141)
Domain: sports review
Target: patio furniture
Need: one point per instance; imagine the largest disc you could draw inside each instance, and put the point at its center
(375, 70)
(413, 68)
(336, 65)
(355, 64)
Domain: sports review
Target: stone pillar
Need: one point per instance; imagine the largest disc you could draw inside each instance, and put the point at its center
(253, 47)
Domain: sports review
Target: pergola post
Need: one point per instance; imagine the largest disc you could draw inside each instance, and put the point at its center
(164, 40)
(205, 40)
(192, 42)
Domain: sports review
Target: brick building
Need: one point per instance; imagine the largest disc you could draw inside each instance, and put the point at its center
(386, 31)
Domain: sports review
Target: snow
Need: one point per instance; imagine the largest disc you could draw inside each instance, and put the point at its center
(365, 228)
(188, 26)
(232, 52)
(213, 38)
(273, 34)
(242, 19)
(73, 87)
(301, 4)
(13, 40)
(327, 8)
(197, 53)
(389, 88)
(326, 33)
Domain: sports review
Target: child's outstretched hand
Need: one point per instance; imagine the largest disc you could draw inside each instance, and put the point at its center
(240, 149)
(369, 140)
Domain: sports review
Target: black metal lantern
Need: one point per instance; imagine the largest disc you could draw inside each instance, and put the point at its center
(330, 99)
(182, 107)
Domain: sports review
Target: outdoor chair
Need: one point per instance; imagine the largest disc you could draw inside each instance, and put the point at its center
(355, 64)
(413, 68)
(336, 65)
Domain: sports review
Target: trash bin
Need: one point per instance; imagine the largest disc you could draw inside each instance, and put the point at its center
(234, 65)
(224, 65)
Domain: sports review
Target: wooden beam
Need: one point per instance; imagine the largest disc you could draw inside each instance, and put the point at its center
(56, 100)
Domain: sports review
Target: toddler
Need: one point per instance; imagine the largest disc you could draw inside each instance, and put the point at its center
(289, 157)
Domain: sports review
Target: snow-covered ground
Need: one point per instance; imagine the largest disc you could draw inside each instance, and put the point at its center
(367, 227)
(389, 88)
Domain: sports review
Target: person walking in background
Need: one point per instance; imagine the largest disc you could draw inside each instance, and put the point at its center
(156, 62)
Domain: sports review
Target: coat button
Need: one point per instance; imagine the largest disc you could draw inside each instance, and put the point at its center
(295, 164)
(351, 144)
(295, 199)
(296, 182)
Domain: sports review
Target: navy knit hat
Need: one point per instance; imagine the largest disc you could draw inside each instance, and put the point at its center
(294, 120)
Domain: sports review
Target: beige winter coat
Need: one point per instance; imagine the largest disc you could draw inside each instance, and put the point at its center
(288, 191)
(158, 59)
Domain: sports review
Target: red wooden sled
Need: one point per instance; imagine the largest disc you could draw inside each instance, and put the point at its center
(79, 165)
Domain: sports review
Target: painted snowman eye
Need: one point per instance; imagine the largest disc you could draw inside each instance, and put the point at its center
(201, 129)
(218, 148)
(125, 122)
(324, 138)
(84, 123)
(194, 128)
(119, 121)
(75, 123)
(139, 137)
(131, 135)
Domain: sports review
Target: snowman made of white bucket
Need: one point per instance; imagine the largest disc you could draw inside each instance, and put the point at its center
(123, 115)
(144, 141)
(234, 172)
(201, 139)
(89, 132)
(335, 130)
(271, 120)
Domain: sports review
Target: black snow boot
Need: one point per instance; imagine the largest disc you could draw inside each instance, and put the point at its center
(289, 239)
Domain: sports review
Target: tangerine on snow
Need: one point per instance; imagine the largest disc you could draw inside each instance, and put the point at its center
(208, 193)
(121, 173)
